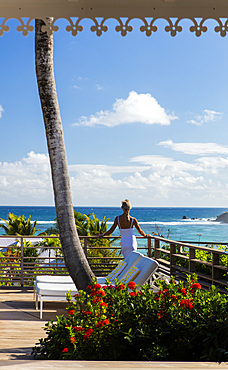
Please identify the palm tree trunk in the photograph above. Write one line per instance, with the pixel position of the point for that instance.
(75, 260)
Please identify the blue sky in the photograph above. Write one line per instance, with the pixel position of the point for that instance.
(144, 118)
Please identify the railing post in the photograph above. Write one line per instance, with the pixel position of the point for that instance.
(172, 259)
(22, 261)
(85, 246)
(149, 246)
(157, 253)
(191, 263)
(215, 272)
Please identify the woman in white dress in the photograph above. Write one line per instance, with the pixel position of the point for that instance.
(126, 225)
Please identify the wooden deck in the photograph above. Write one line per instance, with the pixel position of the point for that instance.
(20, 326)
(20, 329)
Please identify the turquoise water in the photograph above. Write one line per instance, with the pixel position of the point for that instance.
(199, 225)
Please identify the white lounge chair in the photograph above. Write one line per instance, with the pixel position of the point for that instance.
(141, 272)
(49, 279)
(147, 266)
(139, 269)
(122, 268)
(51, 292)
(58, 279)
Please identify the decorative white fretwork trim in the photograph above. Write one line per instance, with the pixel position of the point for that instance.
(123, 26)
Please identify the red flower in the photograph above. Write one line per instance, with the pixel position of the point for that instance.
(87, 334)
(110, 286)
(78, 328)
(77, 295)
(120, 287)
(71, 312)
(97, 286)
(103, 304)
(73, 339)
(131, 285)
(101, 292)
(187, 303)
(195, 286)
(89, 287)
(183, 291)
(132, 294)
(65, 350)
(99, 299)
(87, 312)
(101, 323)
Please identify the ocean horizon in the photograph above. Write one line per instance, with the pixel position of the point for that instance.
(178, 223)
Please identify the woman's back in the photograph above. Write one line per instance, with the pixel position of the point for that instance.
(125, 222)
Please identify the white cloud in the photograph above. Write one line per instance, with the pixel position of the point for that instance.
(148, 180)
(206, 116)
(1, 110)
(164, 163)
(26, 181)
(105, 168)
(99, 87)
(195, 148)
(161, 180)
(213, 165)
(80, 78)
(141, 108)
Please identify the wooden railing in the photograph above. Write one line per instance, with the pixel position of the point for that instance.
(19, 268)
(181, 258)
(175, 258)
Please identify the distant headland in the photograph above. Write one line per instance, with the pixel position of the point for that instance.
(222, 218)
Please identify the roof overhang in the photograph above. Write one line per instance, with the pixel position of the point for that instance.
(117, 9)
(114, 8)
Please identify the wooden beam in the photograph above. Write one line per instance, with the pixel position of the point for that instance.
(114, 8)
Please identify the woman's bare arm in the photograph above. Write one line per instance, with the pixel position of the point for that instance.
(112, 228)
(138, 228)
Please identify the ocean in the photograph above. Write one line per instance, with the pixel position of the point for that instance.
(199, 224)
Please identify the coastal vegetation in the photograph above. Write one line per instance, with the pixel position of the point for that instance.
(90, 225)
(176, 323)
(10, 258)
(97, 250)
(18, 225)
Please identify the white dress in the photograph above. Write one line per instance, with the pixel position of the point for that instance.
(128, 239)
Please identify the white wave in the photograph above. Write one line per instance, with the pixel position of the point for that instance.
(45, 222)
(182, 222)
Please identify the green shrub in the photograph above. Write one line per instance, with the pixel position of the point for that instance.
(18, 225)
(121, 323)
